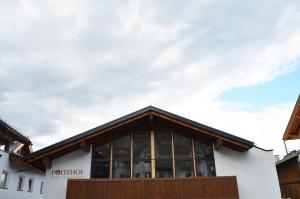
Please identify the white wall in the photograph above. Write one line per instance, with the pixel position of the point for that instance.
(255, 170)
(13, 177)
(56, 185)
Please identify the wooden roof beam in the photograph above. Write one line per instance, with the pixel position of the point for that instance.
(218, 144)
(47, 162)
(85, 146)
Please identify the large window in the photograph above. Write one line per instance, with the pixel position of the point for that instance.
(163, 155)
(155, 154)
(183, 156)
(204, 158)
(121, 157)
(141, 155)
(101, 161)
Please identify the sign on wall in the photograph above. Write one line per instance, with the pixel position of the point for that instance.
(67, 173)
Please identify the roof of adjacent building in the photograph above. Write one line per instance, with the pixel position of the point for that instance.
(291, 155)
(292, 130)
(10, 131)
(131, 117)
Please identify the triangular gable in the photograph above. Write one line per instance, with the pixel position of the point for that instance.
(74, 142)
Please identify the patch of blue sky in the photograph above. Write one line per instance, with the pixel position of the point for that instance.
(280, 90)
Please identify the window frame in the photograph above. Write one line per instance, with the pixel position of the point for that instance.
(42, 187)
(5, 173)
(131, 159)
(20, 186)
(30, 185)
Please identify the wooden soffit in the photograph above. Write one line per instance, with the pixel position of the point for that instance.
(292, 130)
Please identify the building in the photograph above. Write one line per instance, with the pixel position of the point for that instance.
(288, 168)
(17, 178)
(152, 153)
(289, 175)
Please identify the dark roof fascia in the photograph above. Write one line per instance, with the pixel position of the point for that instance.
(15, 133)
(288, 157)
(135, 114)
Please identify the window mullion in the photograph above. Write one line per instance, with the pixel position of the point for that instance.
(173, 154)
(131, 155)
(111, 159)
(152, 140)
(194, 158)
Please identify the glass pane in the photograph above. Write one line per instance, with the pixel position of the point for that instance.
(205, 167)
(163, 145)
(142, 169)
(182, 146)
(141, 146)
(102, 151)
(100, 169)
(3, 179)
(184, 168)
(164, 168)
(121, 147)
(121, 169)
(203, 150)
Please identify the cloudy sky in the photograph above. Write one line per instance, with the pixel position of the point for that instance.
(67, 66)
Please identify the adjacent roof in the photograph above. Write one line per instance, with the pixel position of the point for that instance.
(131, 117)
(292, 130)
(10, 131)
(288, 157)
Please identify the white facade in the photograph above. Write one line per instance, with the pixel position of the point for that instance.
(56, 185)
(255, 171)
(10, 191)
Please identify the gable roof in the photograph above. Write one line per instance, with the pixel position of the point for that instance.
(292, 130)
(131, 117)
(10, 131)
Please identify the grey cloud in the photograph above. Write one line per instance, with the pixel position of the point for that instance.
(58, 60)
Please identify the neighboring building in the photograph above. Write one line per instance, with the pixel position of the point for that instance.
(289, 175)
(158, 155)
(289, 167)
(17, 178)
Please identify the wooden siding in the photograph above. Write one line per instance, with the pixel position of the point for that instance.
(291, 190)
(179, 188)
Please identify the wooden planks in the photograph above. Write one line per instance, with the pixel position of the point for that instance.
(179, 188)
(291, 190)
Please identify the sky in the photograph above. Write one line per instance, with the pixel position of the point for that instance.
(68, 66)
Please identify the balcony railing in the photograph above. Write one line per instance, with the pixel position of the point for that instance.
(171, 188)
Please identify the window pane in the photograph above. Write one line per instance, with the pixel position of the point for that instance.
(163, 145)
(203, 150)
(141, 146)
(100, 169)
(101, 161)
(164, 168)
(20, 184)
(3, 179)
(121, 169)
(205, 167)
(184, 168)
(121, 147)
(102, 151)
(142, 169)
(30, 185)
(182, 146)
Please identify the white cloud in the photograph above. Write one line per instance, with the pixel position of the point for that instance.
(68, 66)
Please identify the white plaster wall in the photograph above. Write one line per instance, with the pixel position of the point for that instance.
(13, 178)
(56, 186)
(255, 171)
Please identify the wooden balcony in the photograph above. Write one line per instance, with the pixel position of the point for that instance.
(178, 188)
